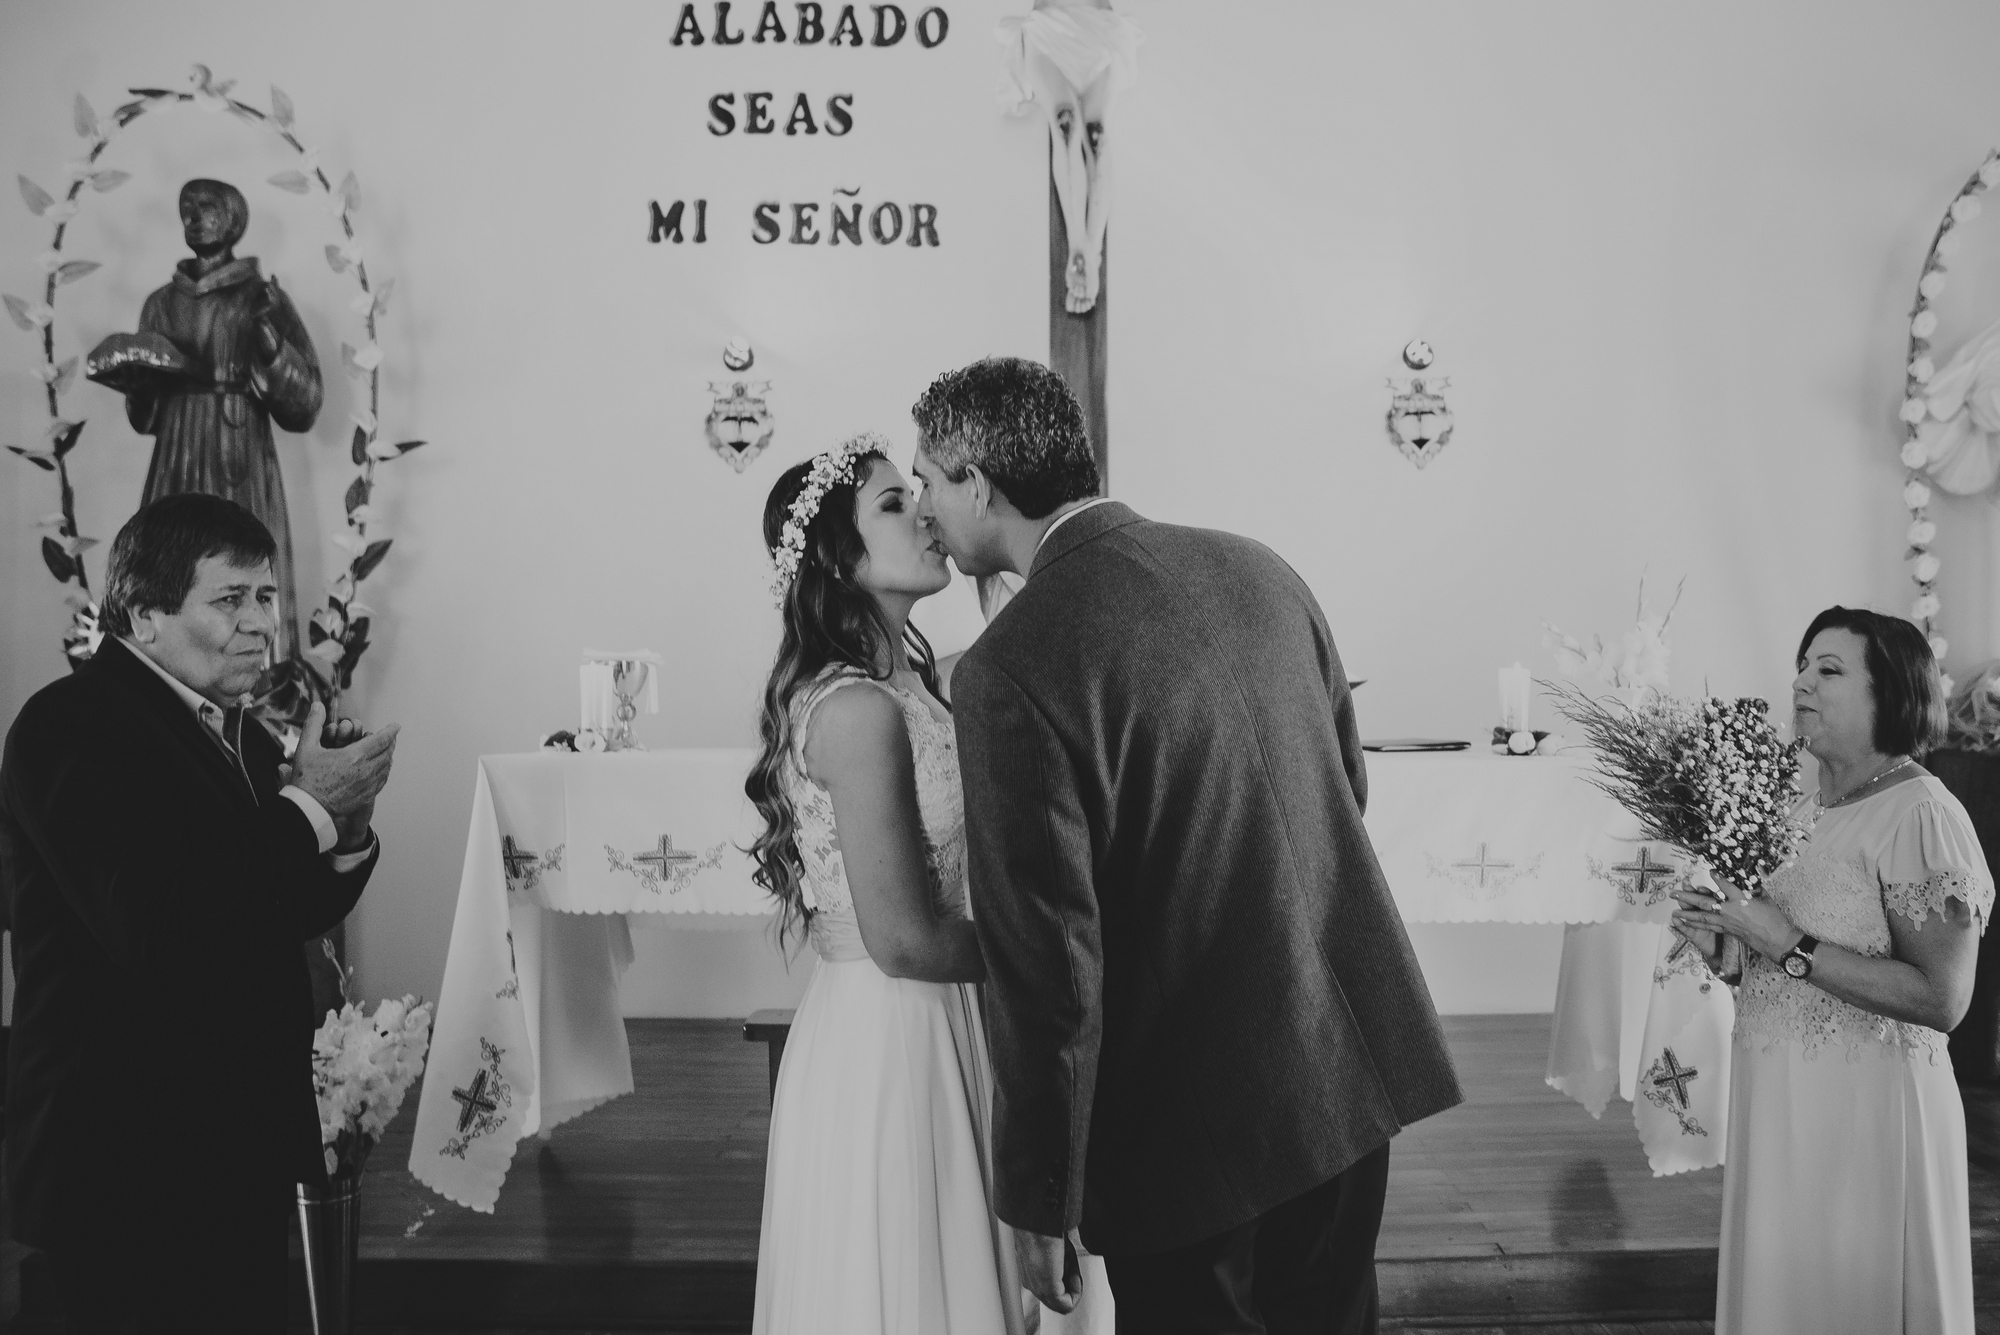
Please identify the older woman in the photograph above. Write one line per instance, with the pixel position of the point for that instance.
(1844, 1202)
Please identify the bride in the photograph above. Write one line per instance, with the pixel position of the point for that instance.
(877, 1187)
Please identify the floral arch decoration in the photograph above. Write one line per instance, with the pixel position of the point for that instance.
(337, 630)
(1943, 409)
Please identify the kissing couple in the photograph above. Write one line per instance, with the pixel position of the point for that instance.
(1126, 860)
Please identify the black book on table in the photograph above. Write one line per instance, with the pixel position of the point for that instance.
(1414, 744)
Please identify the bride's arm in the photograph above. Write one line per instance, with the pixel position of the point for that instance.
(858, 749)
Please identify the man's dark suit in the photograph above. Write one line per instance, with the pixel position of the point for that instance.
(160, 1087)
(1200, 996)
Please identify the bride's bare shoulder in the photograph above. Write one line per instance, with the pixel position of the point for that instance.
(856, 730)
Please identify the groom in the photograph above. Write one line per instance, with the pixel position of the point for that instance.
(1205, 1017)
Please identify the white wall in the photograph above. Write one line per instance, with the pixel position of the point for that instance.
(1664, 256)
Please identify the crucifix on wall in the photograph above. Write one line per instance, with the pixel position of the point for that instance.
(1069, 58)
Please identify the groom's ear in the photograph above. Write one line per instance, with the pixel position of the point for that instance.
(982, 490)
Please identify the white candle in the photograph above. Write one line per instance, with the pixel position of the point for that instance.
(586, 695)
(1515, 688)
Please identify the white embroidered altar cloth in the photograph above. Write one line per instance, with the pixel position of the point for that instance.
(562, 847)
(1478, 837)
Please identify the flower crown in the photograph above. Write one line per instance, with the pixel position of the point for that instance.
(833, 468)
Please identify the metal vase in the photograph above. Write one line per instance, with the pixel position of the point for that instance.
(330, 1228)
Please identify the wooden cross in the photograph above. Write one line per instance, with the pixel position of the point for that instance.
(473, 1101)
(519, 860)
(1080, 345)
(1644, 867)
(1483, 864)
(665, 857)
(1676, 1078)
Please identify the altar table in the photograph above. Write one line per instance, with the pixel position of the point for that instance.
(563, 848)
(1478, 837)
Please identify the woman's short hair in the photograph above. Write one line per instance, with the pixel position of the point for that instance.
(1903, 677)
(1020, 423)
(154, 556)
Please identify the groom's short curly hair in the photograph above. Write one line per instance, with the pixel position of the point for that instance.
(1016, 420)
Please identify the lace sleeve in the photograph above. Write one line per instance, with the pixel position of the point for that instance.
(1934, 856)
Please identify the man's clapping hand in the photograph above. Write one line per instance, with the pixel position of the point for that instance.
(343, 768)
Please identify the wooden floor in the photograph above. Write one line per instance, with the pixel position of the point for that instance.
(1514, 1210)
(675, 1172)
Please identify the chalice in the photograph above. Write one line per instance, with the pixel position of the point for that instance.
(628, 679)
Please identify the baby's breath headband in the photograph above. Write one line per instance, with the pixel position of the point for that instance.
(831, 469)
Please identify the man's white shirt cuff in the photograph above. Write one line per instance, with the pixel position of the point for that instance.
(347, 862)
(321, 822)
(324, 832)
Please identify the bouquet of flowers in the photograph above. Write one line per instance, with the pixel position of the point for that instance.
(362, 1066)
(1712, 777)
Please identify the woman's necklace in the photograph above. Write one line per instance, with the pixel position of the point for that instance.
(1858, 789)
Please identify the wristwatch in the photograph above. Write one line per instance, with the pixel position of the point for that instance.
(1798, 960)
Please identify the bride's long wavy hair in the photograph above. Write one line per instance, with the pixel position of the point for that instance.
(829, 620)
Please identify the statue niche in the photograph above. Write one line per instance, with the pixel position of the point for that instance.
(220, 355)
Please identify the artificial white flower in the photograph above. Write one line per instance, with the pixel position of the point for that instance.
(1916, 495)
(1520, 743)
(49, 260)
(1913, 411)
(1938, 646)
(1922, 369)
(1924, 608)
(1964, 209)
(1933, 283)
(1925, 569)
(1947, 684)
(1925, 324)
(1914, 453)
(1948, 244)
(1989, 171)
(1922, 533)
(589, 740)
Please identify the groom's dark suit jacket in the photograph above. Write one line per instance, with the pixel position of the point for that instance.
(160, 1068)
(1200, 997)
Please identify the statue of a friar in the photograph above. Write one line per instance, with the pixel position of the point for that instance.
(220, 355)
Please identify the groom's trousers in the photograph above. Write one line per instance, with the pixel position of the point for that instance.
(1307, 1265)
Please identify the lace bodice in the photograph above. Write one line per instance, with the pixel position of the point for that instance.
(1905, 851)
(834, 930)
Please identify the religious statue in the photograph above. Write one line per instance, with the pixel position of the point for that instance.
(1960, 429)
(220, 355)
(1068, 57)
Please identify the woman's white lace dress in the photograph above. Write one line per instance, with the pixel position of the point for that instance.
(1844, 1205)
(877, 1189)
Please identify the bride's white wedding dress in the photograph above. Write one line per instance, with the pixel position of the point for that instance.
(878, 1184)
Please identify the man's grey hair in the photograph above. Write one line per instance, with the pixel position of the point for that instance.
(1018, 421)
